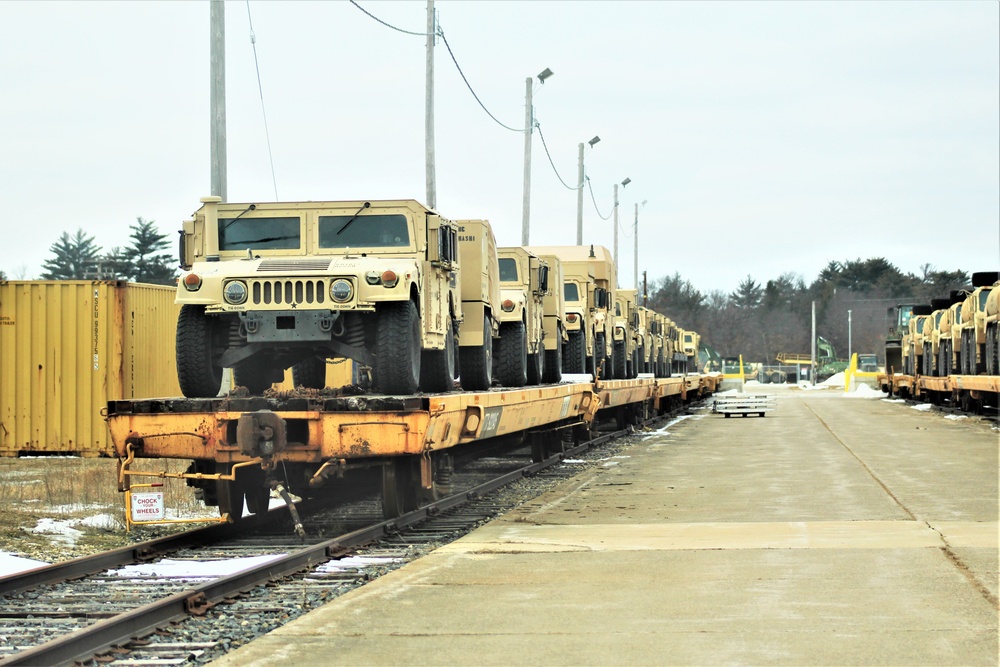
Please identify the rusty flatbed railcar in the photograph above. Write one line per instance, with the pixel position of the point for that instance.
(317, 435)
(969, 391)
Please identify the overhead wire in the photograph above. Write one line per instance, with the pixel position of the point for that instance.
(594, 199)
(553, 164)
(389, 25)
(263, 110)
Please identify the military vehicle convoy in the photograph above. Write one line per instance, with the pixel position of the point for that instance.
(417, 300)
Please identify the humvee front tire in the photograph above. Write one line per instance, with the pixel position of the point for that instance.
(619, 363)
(437, 367)
(397, 367)
(553, 362)
(198, 372)
(512, 369)
(536, 366)
(575, 359)
(309, 373)
(476, 362)
(600, 347)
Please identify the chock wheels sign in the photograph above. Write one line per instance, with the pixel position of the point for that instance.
(148, 507)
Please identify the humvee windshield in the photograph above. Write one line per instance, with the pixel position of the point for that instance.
(366, 231)
(508, 270)
(259, 233)
(570, 292)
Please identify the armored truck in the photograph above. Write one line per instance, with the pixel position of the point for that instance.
(275, 285)
(553, 310)
(480, 303)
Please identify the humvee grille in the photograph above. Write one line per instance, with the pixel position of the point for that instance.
(287, 291)
(308, 264)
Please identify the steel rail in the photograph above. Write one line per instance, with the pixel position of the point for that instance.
(95, 639)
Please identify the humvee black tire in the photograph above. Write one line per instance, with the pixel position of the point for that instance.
(575, 354)
(600, 347)
(512, 355)
(437, 367)
(476, 362)
(620, 363)
(397, 364)
(198, 372)
(309, 373)
(552, 373)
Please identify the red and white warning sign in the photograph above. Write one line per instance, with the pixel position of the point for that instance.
(147, 506)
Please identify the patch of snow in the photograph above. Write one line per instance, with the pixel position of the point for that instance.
(169, 568)
(835, 380)
(956, 417)
(61, 531)
(923, 407)
(574, 461)
(809, 387)
(894, 400)
(354, 563)
(865, 391)
(608, 464)
(11, 564)
(752, 383)
(574, 378)
(104, 521)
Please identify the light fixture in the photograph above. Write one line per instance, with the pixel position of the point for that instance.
(626, 181)
(546, 73)
(594, 141)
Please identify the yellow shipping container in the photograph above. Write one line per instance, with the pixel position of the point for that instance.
(67, 348)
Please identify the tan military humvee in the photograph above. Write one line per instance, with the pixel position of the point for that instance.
(480, 303)
(690, 342)
(272, 285)
(646, 345)
(553, 309)
(626, 324)
(992, 322)
(523, 285)
(588, 318)
(972, 350)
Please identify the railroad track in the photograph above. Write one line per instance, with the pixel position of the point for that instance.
(94, 612)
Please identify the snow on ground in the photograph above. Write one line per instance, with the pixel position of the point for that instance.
(923, 407)
(61, 531)
(11, 564)
(835, 380)
(894, 400)
(864, 391)
(354, 563)
(956, 418)
(663, 429)
(170, 568)
(576, 377)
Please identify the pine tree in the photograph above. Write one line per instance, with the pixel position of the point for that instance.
(75, 258)
(149, 264)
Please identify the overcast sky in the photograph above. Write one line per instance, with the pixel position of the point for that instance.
(765, 137)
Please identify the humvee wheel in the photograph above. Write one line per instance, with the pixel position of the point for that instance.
(309, 373)
(536, 365)
(512, 357)
(198, 372)
(553, 362)
(397, 367)
(437, 367)
(575, 356)
(619, 362)
(600, 348)
(477, 362)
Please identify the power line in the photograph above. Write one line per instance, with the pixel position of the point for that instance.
(389, 25)
(549, 155)
(263, 111)
(593, 199)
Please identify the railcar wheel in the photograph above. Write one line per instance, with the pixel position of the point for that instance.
(437, 367)
(512, 357)
(249, 484)
(397, 365)
(553, 362)
(310, 373)
(477, 362)
(400, 485)
(198, 371)
(575, 357)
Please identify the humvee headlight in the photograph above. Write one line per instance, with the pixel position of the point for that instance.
(192, 282)
(235, 292)
(507, 305)
(571, 317)
(341, 290)
(372, 277)
(389, 278)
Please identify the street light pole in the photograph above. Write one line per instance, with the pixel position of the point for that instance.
(429, 169)
(615, 224)
(529, 128)
(635, 235)
(579, 192)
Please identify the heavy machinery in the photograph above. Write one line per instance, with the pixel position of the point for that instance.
(827, 363)
(899, 318)
(272, 285)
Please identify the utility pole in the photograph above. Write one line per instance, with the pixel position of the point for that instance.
(615, 223)
(579, 199)
(635, 234)
(812, 373)
(429, 108)
(528, 128)
(217, 86)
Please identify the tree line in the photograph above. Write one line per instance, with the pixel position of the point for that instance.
(77, 256)
(760, 320)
